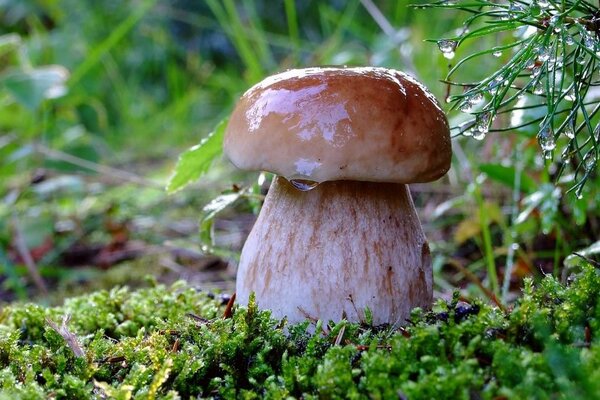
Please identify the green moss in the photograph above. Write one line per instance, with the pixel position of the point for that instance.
(145, 345)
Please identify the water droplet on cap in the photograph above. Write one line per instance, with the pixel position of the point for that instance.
(304, 185)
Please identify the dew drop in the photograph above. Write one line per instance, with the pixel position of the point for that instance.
(555, 22)
(590, 161)
(515, 246)
(304, 185)
(478, 135)
(466, 106)
(538, 88)
(447, 47)
(588, 41)
(566, 156)
(546, 140)
(570, 95)
(543, 54)
(536, 72)
(530, 64)
(516, 8)
(569, 40)
(468, 132)
(482, 123)
(476, 98)
(493, 85)
(543, 3)
(568, 131)
(497, 53)
(580, 60)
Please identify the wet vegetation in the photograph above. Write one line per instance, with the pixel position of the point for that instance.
(173, 342)
(100, 99)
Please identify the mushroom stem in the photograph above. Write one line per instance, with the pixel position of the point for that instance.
(332, 251)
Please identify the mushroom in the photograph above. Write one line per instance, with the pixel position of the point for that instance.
(338, 231)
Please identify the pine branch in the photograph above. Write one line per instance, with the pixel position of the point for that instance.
(552, 63)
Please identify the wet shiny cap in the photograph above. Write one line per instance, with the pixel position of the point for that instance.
(325, 124)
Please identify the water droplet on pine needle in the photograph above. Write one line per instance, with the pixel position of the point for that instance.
(569, 40)
(589, 42)
(543, 54)
(546, 140)
(590, 161)
(477, 135)
(566, 156)
(482, 123)
(569, 131)
(447, 47)
(535, 72)
(570, 95)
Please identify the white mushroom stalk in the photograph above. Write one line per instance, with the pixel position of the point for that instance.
(330, 250)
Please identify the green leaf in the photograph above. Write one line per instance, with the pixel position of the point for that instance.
(546, 200)
(507, 175)
(210, 211)
(196, 161)
(31, 87)
(9, 42)
(575, 259)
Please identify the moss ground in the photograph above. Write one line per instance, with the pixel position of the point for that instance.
(173, 342)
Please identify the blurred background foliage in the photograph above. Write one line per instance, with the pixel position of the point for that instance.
(98, 99)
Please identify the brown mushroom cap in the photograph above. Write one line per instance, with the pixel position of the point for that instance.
(325, 124)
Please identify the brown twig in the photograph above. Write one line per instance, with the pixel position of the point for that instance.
(176, 346)
(474, 279)
(198, 318)
(229, 308)
(99, 168)
(25, 255)
(67, 335)
(340, 336)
